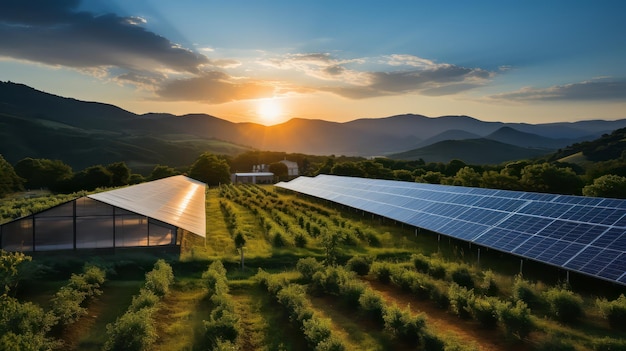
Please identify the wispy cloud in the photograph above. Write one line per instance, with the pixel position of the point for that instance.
(398, 74)
(598, 90)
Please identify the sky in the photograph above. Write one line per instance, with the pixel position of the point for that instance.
(259, 61)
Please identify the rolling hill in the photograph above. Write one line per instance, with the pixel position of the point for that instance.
(472, 151)
(43, 125)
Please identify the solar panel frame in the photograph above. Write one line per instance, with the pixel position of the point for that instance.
(582, 234)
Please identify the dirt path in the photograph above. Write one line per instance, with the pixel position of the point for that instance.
(444, 323)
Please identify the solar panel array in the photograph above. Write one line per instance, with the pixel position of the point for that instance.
(583, 234)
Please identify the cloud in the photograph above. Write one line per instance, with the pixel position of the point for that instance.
(53, 33)
(397, 74)
(596, 90)
(214, 87)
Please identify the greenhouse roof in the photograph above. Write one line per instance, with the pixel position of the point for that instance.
(177, 200)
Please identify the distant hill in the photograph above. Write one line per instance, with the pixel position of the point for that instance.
(515, 137)
(472, 151)
(43, 125)
(607, 147)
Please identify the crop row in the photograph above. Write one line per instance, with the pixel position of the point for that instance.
(136, 330)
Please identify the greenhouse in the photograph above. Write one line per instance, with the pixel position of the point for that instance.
(149, 214)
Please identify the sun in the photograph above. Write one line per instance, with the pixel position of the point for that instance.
(269, 110)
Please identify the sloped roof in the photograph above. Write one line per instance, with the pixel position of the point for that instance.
(177, 200)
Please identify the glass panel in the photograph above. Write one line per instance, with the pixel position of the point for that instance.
(88, 207)
(54, 233)
(18, 235)
(64, 210)
(131, 230)
(161, 233)
(94, 232)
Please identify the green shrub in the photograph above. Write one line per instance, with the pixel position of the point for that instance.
(485, 312)
(382, 271)
(565, 306)
(614, 311)
(423, 286)
(372, 304)
(524, 291)
(292, 297)
(133, 331)
(24, 318)
(359, 264)
(351, 292)
(316, 330)
(332, 343)
(145, 299)
(159, 279)
(401, 325)
(463, 277)
(308, 266)
(489, 286)
(432, 342)
(440, 297)
(223, 324)
(279, 240)
(215, 282)
(460, 300)
(437, 269)
(516, 318)
(404, 278)
(420, 262)
(300, 240)
(66, 305)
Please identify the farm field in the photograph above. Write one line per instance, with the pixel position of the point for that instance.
(317, 276)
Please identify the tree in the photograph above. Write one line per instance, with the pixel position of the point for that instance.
(547, 178)
(9, 180)
(120, 173)
(351, 169)
(240, 242)
(403, 175)
(43, 173)
(210, 169)
(467, 176)
(279, 169)
(160, 171)
(93, 177)
(499, 180)
(607, 186)
(430, 177)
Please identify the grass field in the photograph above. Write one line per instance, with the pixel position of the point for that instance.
(280, 229)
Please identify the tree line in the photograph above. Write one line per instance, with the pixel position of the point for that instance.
(605, 179)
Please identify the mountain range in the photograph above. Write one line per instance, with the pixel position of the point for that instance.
(42, 125)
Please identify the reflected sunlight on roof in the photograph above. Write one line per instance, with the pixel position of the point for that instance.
(177, 200)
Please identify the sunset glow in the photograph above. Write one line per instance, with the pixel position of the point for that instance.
(269, 110)
(517, 62)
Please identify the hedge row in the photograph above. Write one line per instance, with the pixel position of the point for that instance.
(223, 327)
(354, 294)
(68, 302)
(135, 330)
(23, 326)
(317, 331)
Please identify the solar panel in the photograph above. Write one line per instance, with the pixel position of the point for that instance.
(582, 234)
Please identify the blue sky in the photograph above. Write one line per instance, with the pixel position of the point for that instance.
(268, 61)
